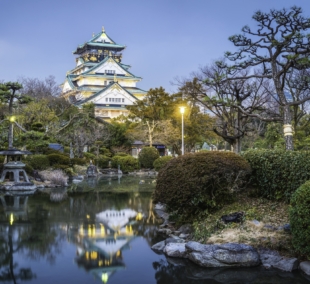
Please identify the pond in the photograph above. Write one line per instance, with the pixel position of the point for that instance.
(101, 233)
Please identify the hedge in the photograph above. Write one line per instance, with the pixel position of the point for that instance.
(200, 182)
(300, 221)
(58, 159)
(277, 173)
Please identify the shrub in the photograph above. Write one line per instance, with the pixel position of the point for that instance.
(115, 161)
(58, 159)
(29, 169)
(89, 156)
(147, 156)
(38, 162)
(200, 182)
(128, 164)
(102, 161)
(104, 151)
(78, 161)
(121, 154)
(161, 162)
(276, 173)
(299, 219)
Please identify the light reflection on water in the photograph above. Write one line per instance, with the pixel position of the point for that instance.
(102, 233)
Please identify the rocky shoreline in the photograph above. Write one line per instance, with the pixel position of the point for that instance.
(178, 244)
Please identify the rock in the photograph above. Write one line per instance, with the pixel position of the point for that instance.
(235, 217)
(160, 206)
(174, 240)
(305, 267)
(270, 228)
(186, 229)
(159, 246)
(175, 250)
(165, 231)
(183, 236)
(287, 227)
(255, 222)
(226, 255)
(272, 259)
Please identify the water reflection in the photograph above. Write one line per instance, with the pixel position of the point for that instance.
(108, 234)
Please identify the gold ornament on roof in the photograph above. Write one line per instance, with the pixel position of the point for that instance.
(103, 30)
(93, 34)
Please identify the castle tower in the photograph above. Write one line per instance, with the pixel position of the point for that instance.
(101, 78)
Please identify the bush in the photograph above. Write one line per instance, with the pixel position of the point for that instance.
(102, 162)
(115, 161)
(29, 169)
(58, 159)
(121, 154)
(200, 182)
(104, 151)
(128, 164)
(147, 156)
(38, 162)
(89, 156)
(278, 173)
(300, 221)
(161, 162)
(78, 161)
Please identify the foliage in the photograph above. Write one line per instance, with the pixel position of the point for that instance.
(126, 163)
(161, 162)
(299, 219)
(34, 140)
(121, 154)
(102, 161)
(29, 169)
(58, 159)
(38, 162)
(147, 156)
(200, 183)
(277, 173)
(89, 156)
(78, 161)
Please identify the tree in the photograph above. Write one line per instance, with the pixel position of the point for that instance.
(10, 95)
(149, 112)
(279, 46)
(233, 101)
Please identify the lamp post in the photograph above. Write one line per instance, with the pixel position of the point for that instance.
(182, 109)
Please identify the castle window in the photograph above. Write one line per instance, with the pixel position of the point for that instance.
(110, 71)
(105, 83)
(123, 100)
(106, 99)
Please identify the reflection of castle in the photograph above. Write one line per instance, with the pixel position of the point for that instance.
(100, 245)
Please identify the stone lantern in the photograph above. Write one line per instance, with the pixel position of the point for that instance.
(14, 176)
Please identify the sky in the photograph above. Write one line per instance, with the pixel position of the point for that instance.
(165, 39)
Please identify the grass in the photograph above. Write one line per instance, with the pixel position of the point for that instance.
(267, 212)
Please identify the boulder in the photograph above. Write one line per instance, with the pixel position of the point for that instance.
(174, 239)
(272, 259)
(305, 267)
(235, 217)
(186, 229)
(159, 246)
(226, 255)
(175, 250)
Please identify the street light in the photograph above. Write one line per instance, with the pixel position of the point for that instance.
(182, 109)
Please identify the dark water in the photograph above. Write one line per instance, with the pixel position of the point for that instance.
(102, 233)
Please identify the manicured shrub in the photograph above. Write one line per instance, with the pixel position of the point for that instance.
(29, 170)
(89, 156)
(161, 162)
(58, 159)
(78, 161)
(147, 156)
(115, 161)
(38, 162)
(299, 219)
(122, 154)
(200, 182)
(128, 164)
(102, 162)
(277, 174)
(104, 151)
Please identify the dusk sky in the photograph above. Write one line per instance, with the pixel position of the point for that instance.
(164, 38)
